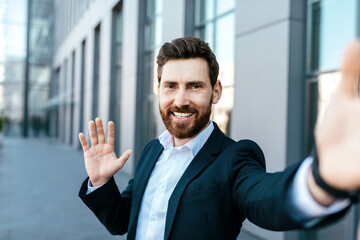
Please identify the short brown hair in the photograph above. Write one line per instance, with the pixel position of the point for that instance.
(188, 47)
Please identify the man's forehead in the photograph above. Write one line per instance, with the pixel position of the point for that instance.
(192, 69)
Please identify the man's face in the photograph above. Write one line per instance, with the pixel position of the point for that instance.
(186, 96)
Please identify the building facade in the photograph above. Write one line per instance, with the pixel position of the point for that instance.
(12, 62)
(25, 65)
(274, 56)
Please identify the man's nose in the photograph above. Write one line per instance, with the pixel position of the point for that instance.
(181, 98)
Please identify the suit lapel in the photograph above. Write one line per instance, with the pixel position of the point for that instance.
(206, 155)
(144, 171)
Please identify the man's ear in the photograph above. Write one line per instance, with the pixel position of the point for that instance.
(217, 91)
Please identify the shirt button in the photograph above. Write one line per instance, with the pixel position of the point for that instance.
(162, 185)
(153, 218)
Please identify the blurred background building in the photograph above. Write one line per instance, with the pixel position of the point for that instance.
(65, 62)
(25, 65)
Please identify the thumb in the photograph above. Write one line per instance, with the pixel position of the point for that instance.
(124, 157)
(350, 69)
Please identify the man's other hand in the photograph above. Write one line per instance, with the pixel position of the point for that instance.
(338, 135)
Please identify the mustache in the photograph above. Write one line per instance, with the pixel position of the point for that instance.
(184, 109)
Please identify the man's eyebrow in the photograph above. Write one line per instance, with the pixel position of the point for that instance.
(195, 82)
(169, 82)
(190, 83)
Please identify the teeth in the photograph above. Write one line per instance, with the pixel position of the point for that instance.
(182, 115)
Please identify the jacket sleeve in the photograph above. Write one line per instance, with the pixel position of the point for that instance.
(109, 206)
(263, 197)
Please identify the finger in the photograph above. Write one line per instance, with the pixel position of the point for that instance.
(100, 130)
(83, 142)
(111, 133)
(350, 69)
(124, 157)
(93, 137)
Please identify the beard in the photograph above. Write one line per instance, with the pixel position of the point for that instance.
(188, 129)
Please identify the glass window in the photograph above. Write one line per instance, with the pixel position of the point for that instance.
(40, 54)
(72, 101)
(204, 11)
(152, 44)
(215, 24)
(331, 25)
(150, 8)
(96, 77)
(54, 108)
(206, 32)
(65, 88)
(13, 22)
(224, 6)
(116, 69)
(82, 83)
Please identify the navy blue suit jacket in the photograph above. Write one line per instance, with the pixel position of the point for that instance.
(224, 184)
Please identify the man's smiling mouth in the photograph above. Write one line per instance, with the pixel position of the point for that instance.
(182, 115)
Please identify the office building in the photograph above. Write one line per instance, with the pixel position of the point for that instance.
(275, 56)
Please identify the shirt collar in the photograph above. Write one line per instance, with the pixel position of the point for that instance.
(194, 144)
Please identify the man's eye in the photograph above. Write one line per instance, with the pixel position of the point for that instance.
(169, 86)
(196, 86)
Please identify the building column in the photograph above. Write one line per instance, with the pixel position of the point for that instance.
(269, 83)
(129, 79)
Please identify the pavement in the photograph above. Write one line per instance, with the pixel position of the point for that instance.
(39, 184)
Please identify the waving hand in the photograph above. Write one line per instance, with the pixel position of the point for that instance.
(101, 162)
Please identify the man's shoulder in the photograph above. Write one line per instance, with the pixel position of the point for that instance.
(226, 142)
(248, 144)
(246, 148)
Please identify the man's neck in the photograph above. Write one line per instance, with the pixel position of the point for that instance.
(182, 141)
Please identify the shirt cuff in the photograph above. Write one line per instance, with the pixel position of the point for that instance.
(90, 188)
(307, 210)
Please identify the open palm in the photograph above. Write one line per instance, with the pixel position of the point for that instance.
(338, 135)
(101, 162)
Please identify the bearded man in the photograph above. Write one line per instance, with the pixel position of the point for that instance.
(193, 182)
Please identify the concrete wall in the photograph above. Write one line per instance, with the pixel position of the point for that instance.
(100, 12)
(129, 79)
(264, 51)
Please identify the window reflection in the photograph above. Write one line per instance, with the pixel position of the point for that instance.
(333, 26)
(116, 71)
(204, 11)
(96, 72)
(215, 23)
(13, 24)
(225, 6)
(152, 43)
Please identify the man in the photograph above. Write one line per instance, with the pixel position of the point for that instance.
(193, 182)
